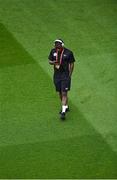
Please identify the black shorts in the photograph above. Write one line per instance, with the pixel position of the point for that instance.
(62, 85)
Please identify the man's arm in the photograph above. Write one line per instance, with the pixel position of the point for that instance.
(71, 63)
(71, 68)
(50, 58)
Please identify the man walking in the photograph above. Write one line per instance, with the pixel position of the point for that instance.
(63, 61)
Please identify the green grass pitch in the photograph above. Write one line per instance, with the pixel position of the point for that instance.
(34, 143)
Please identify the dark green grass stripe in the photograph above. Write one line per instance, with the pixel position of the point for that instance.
(11, 52)
(80, 157)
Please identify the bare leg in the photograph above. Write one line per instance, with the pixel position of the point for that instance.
(64, 98)
(60, 95)
(64, 102)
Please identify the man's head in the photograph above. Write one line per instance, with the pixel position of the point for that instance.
(59, 44)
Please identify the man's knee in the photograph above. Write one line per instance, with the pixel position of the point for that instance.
(64, 93)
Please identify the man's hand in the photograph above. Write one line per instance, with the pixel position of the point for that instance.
(52, 62)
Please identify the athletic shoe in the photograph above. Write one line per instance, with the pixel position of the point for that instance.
(62, 116)
(60, 111)
(67, 110)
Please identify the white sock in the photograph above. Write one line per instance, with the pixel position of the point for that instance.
(66, 106)
(63, 109)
